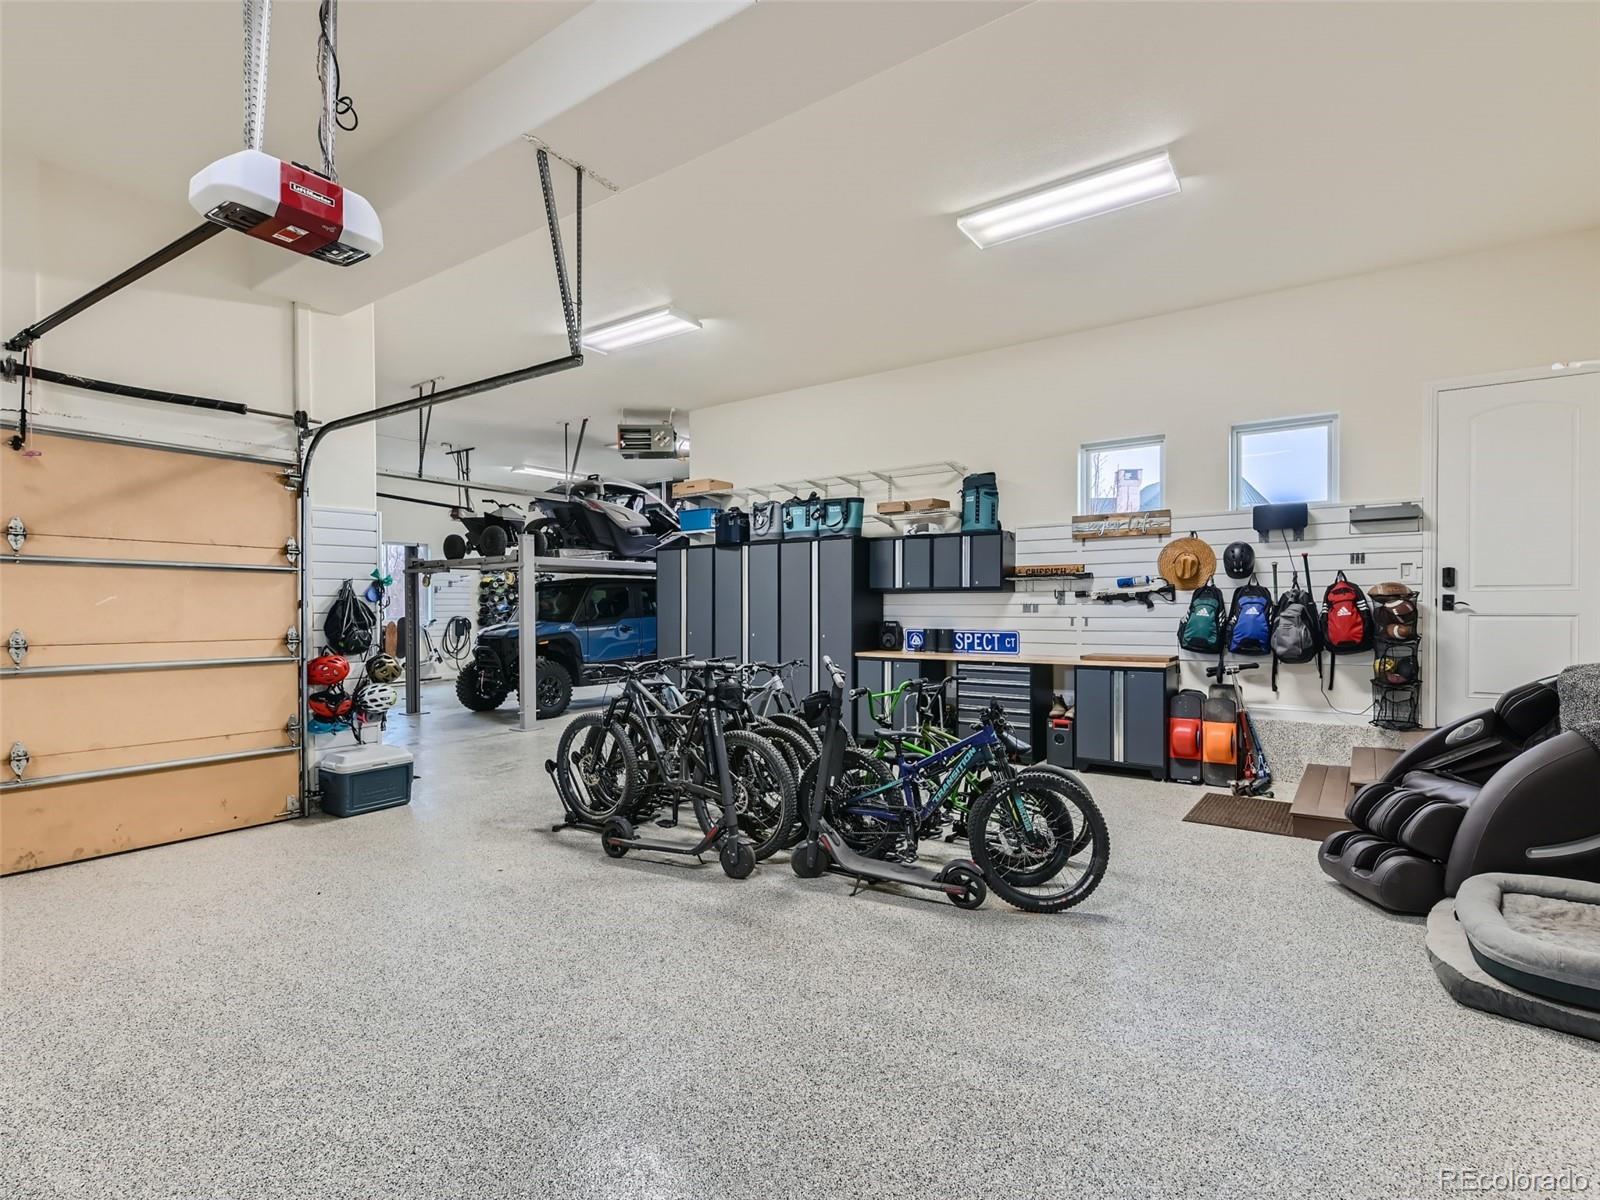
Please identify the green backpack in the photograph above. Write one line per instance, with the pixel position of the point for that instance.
(1203, 626)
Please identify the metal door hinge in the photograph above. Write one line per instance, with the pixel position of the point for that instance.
(17, 643)
(291, 806)
(291, 480)
(19, 759)
(291, 550)
(16, 534)
(291, 639)
(292, 728)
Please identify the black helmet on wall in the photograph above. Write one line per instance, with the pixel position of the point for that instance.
(1239, 560)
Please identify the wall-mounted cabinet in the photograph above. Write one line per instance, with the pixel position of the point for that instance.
(942, 562)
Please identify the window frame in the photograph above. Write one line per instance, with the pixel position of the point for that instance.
(1158, 440)
(1275, 425)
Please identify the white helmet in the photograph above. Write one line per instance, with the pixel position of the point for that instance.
(375, 699)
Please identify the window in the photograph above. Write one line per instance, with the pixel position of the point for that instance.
(1280, 462)
(559, 602)
(394, 566)
(607, 602)
(1122, 476)
(644, 600)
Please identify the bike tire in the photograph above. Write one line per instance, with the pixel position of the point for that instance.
(797, 725)
(763, 792)
(861, 772)
(998, 842)
(597, 769)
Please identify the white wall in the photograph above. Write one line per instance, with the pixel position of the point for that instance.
(187, 327)
(1364, 347)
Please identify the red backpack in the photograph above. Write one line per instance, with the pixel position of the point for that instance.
(1346, 620)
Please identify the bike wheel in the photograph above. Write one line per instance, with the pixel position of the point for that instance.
(1072, 779)
(1024, 833)
(861, 773)
(797, 725)
(596, 769)
(763, 792)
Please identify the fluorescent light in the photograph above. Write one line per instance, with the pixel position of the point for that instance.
(645, 327)
(1071, 200)
(526, 469)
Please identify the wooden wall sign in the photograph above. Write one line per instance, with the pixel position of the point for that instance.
(1155, 523)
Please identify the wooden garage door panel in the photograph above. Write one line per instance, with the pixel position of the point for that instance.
(41, 827)
(74, 615)
(74, 723)
(97, 499)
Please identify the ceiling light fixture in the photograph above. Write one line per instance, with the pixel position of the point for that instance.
(527, 469)
(636, 330)
(1070, 200)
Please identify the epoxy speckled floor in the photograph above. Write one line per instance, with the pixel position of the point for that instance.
(447, 1000)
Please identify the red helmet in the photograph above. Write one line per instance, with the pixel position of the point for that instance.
(327, 670)
(331, 704)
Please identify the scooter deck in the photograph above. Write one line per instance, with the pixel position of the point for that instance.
(875, 870)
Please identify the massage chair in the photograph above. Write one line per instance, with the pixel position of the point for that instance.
(1514, 788)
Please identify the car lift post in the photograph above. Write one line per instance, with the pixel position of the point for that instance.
(527, 631)
(413, 647)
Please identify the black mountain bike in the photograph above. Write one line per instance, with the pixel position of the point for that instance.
(656, 746)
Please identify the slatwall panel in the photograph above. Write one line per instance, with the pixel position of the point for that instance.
(455, 594)
(1079, 627)
(346, 543)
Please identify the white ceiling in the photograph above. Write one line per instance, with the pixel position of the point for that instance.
(790, 174)
(1314, 141)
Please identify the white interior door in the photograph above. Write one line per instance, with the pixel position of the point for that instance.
(1519, 526)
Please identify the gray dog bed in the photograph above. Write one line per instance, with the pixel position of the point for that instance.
(1524, 946)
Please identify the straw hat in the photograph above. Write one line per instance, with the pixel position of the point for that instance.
(1186, 563)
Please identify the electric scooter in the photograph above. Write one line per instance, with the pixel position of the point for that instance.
(736, 854)
(823, 850)
(1251, 774)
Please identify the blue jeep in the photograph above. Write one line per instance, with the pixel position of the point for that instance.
(583, 623)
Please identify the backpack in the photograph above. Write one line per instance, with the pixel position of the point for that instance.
(1296, 629)
(350, 622)
(1346, 620)
(1203, 627)
(1249, 620)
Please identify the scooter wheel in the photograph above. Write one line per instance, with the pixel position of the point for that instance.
(974, 891)
(808, 860)
(615, 829)
(738, 858)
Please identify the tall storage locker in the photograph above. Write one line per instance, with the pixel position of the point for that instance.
(761, 634)
(727, 635)
(848, 613)
(794, 610)
(669, 603)
(699, 601)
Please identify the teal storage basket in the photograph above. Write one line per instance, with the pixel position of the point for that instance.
(840, 516)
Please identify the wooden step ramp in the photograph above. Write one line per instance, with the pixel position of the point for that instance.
(1319, 802)
(1368, 764)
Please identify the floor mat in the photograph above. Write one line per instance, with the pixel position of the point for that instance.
(1254, 813)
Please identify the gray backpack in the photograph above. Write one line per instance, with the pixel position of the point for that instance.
(1296, 628)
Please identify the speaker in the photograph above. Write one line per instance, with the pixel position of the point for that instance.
(891, 636)
(942, 641)
(1058, 746)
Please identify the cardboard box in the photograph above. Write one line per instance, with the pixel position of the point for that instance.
(929, 504)
(889, 508)
(699, 487)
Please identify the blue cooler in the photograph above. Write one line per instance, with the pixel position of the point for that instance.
(364, 779)
(800, 517)
(840, 516)
(698, 520)
(980, 504)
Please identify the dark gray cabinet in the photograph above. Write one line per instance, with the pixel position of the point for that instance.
(794, 609)
(699, 601)
(762, 621)
(669, 603)
(727, 625)
(943, 562)
(1121, 717)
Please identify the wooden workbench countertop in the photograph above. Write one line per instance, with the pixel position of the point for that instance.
(1040, 660)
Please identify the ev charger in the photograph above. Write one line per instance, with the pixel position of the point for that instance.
(287, 205)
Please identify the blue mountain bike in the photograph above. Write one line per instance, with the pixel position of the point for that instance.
(1039, 839)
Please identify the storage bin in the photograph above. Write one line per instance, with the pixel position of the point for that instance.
(980, 503)
(364, 779)
(733, 527)
(697, 520)
(840, 516)
(766, 521)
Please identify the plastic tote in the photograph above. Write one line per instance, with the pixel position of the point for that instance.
(840, 516)
(697, 520)
(980, 503)
(800, 517)
(364, 779)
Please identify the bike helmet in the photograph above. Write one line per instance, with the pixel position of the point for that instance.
(375, 699)
(1239, 560)
(318, 725)
(327, 670)
(384, 668)
(331, 704)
